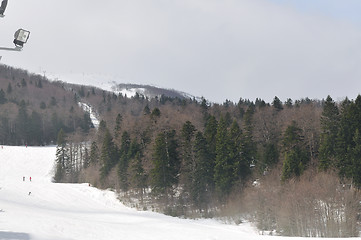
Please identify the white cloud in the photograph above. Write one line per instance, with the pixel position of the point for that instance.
(218, 49)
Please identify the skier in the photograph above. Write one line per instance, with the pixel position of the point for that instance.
(30, 179)
(23, 179)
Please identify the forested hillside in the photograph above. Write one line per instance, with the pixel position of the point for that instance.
(292, 166)
(33, 110)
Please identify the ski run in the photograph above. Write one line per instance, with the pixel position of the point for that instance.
(40, 209)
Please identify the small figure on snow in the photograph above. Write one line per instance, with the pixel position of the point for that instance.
(29, 193)
(30, 179)
(23, 179)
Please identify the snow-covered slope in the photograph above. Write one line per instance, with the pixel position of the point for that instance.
(78, 211)
(114, 84)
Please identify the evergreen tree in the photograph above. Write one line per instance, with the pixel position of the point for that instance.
(5, 136)
(356, 159)
(187, 168)
(155, 114)
(62, 157)
(94, 153)
(139, 176)
(202, 177)
(329, 127)
(270, 155)
(239, 155)
(22, 122)
(81, 92)
(248, 146)
(2, 97)
(344, 140)
(223, 170)
(42, 105)
(86, 158)
(118, 126)
(87, 122)
(289, 103)
(166, 162)
(23, 83)
(109, 156)
(277, 104)
(228, 119)
(146, 110)
(53, 101)
(296, 156)
(102, 129)
(125, 156)
(210, 133)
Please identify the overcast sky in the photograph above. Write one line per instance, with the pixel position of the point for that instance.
(219, 49)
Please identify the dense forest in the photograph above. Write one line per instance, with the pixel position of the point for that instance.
(292, 167)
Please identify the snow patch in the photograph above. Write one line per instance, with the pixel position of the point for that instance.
(93, 115)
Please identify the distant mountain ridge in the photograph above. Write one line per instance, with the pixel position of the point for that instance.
(149, 91)
(112, 83)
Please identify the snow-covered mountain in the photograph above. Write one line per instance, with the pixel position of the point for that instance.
(149, 91)
(117, 85)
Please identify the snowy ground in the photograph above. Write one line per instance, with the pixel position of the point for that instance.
(77, 211)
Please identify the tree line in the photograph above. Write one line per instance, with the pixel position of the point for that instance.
(189, 170)
(190, 158)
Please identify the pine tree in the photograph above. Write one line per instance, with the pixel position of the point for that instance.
(118, 126)
(125, 156)
(344, 140)
(296, 156)
(109, 156)
(23, 82)
(94, 153)
(210, 133)
(277, 104)
(202, 177)
(187, 167)
(87, 122)
(86, 158)
(271, 155)
(166, 162)
(330, 128)
(62, 157)
(2, 97)
(146, 110)
(238, 154)
(356, 159)
(248, 146)
(81, 92)
(23, 123)
(139, 176)
(223, 170)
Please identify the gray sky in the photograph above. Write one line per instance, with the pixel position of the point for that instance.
(219, 49)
